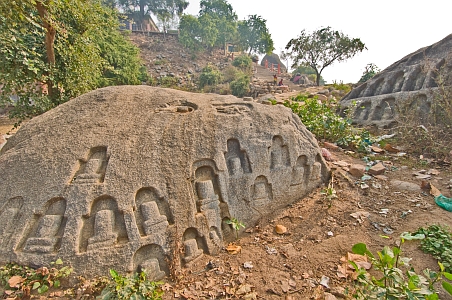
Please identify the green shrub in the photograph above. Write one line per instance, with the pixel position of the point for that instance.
(341, 87)
(210, 75)
(131, 287)
(230, 73)
(320, 118)
(168, 81)
(243, 62)
(370, 71)
(240, 86)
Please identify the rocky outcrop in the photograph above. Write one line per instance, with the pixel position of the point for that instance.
(410, 83)
(273, 59)
(138, 177)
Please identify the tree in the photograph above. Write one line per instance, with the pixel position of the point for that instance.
(169, 12)
(322, 48)
(223, 17)
(254, 35)
(54, 50)
(165, 10)
(370, 71)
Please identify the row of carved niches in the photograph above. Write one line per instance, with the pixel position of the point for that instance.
(412, 78)
(385, 109)
(92, 169)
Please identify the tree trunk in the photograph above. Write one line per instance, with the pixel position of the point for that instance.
(142, 20)
(49, 41)
(317, 80)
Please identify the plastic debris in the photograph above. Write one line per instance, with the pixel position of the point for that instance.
(444, 202)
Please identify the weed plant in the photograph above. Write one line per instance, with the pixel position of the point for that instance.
(136, 286)
(396, 279)
(438, 242)
(19, 281)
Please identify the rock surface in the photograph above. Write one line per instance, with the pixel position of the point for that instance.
(140, 177)
(407, 85)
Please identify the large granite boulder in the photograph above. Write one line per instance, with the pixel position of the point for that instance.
(138, 177)
(273, 59)
(408, 85)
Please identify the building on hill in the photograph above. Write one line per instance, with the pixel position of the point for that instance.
(133, 23)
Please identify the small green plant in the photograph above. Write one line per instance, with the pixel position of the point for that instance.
(329, 192)
(438, 242)
(396, 278)
(22, 280)
(236, 225)
(135, 286)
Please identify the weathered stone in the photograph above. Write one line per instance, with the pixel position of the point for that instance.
(405, 186)
(135, 177)
(357, 170)
(409, 82)
(378, 169)
(321, 97)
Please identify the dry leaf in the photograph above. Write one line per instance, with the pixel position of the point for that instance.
(376, 149)
(391, 149)
(434, 191)
(244, 289)
(233, 249)
(280, 229)
(250, 296)
(15, 281)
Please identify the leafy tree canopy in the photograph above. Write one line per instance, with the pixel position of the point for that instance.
(254, 36)
(166, 11)
(54, 50)
(322, 48)
(223, 17)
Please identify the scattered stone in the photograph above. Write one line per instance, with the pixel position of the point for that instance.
(378, 169)
(280, 229)
(248, 265)
(405, 186)
(382, 177)
(357, 170)
(330, 146)
(329, 296)
(321, 97)
(324, 281)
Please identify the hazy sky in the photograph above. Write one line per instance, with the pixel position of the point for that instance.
(390, 29)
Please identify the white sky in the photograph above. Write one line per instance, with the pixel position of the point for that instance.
(389, 29)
